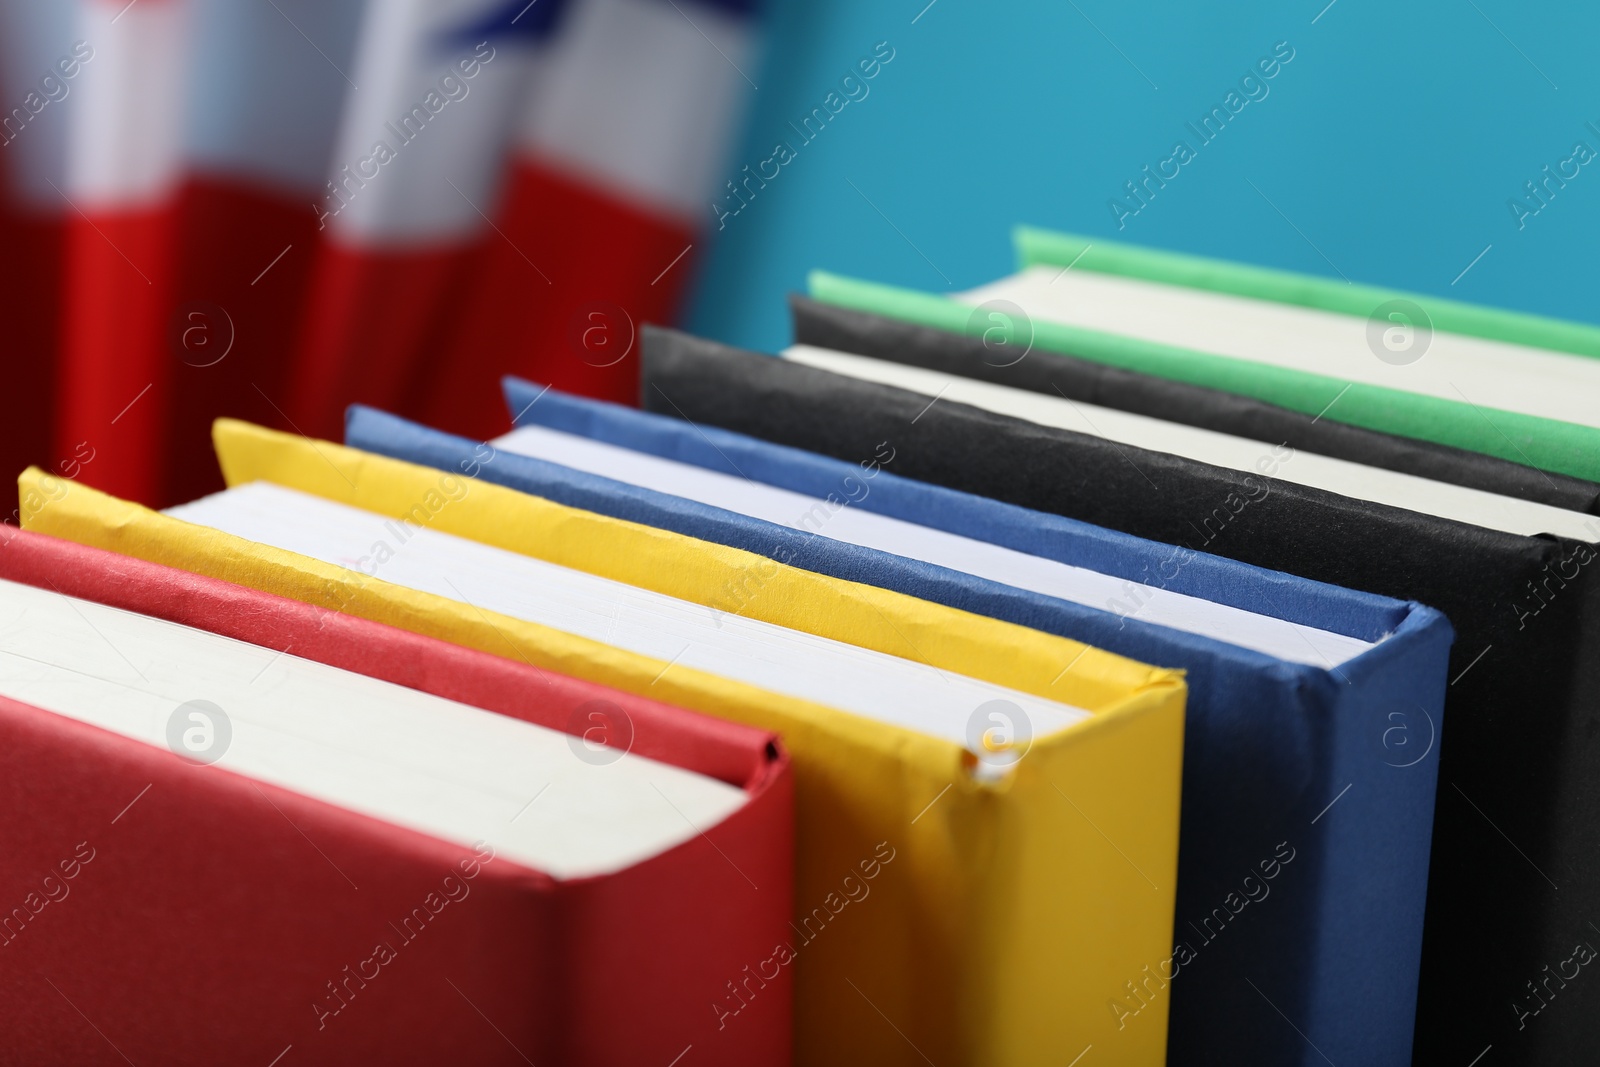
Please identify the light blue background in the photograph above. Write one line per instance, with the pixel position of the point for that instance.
(1391, 143)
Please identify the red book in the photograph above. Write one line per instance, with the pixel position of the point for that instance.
(156, 909)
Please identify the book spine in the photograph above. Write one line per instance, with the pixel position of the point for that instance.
(1375, 828)
(1080, 865)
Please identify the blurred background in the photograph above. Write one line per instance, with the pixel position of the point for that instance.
(272, 208)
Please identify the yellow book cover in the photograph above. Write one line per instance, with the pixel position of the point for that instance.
(940, 914)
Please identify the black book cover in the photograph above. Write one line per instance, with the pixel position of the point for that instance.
(847, 330)
(1514, 880)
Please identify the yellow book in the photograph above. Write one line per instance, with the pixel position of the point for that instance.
(1003, 910)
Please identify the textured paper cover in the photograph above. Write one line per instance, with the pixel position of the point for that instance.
(1562, 447)
(217, 909)
(1267, 743)
(1006, 911)
(1059, 374)
(1521, 757)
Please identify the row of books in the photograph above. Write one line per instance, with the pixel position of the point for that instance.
(1058, 674)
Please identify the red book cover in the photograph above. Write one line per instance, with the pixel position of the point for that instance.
(154, 910)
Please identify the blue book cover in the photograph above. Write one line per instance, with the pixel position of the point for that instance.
(1309, 779)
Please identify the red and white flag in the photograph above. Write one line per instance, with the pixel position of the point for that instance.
(273, 209)
(617, 149)
(36, 38)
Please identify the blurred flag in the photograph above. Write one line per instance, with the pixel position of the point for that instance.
(619, 141)
(273, 208)
(32, 224)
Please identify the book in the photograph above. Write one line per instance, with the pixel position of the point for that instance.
(1330, 698)
(1523, 606)
(1510, 385)
(240, 827)
(1015, 793)
(1392, 488)
(981, 352)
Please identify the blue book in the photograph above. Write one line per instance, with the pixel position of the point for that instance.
(1311, 744)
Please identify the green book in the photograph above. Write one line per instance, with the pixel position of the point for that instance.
(1520, 387)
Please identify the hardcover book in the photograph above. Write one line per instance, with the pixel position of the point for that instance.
(240, 827)
(1326, 673)
(1014, 793)
(1516, 784)
(1263, 664)
(1511, 385)
(995, 348)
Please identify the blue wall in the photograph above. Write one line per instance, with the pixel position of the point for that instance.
(1387, 147)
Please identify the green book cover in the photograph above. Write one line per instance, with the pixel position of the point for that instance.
(1548, 444)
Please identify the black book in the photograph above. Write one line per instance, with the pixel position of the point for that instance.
(1514, 881)
(1005, 360)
